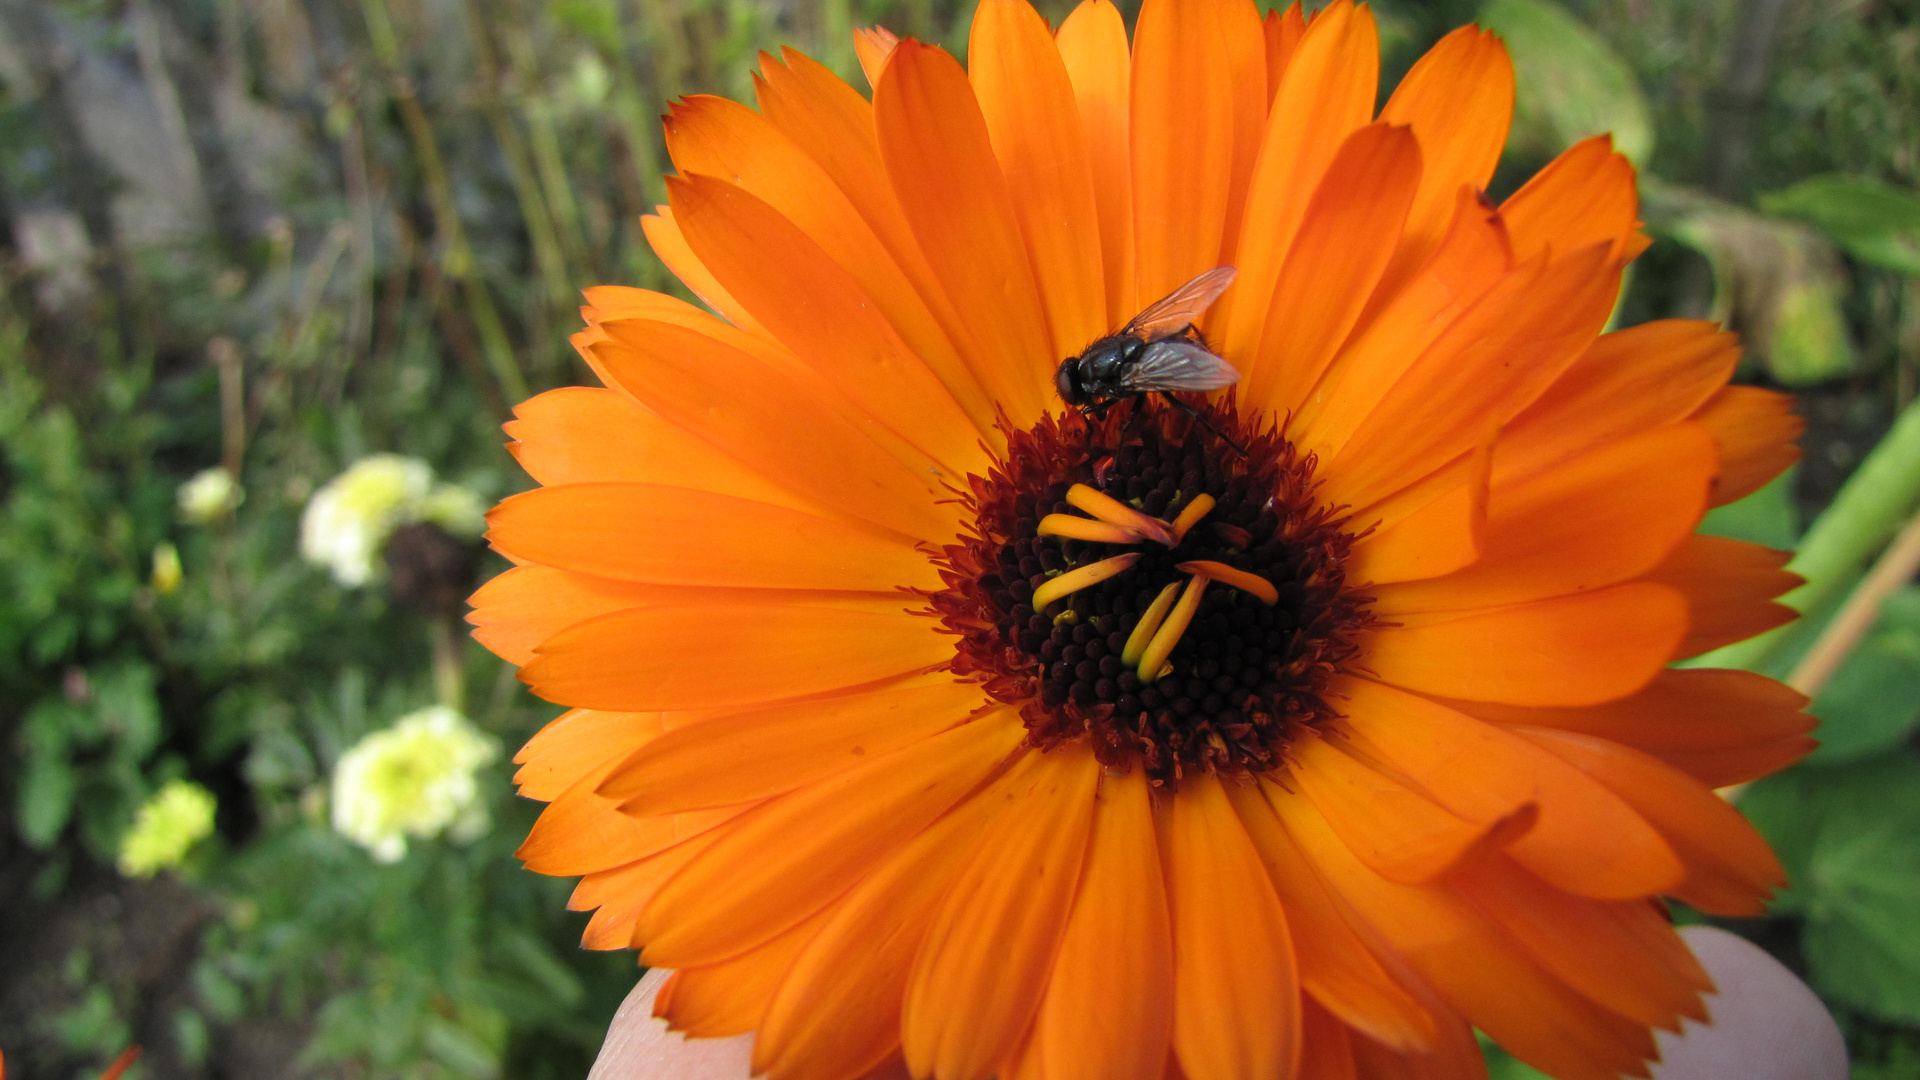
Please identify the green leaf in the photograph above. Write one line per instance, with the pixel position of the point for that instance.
(1875, 223)
(46, 798)
(1862, 941)
(1873, 701)
(1765, 517)
(1571, 84)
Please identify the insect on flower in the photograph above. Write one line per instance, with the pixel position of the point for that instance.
(1158, 351)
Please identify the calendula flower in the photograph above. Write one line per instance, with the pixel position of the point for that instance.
(1294, 729)
(415, 778)
(211, 493)
(349, 519)
(166, 827)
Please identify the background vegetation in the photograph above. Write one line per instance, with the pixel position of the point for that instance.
(279, 235)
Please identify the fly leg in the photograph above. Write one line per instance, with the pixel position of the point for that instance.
(1202, 420)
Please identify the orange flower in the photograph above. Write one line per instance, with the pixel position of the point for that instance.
(860, 749)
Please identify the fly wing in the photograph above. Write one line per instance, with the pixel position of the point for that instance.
(1179, 309)
(1177, 365)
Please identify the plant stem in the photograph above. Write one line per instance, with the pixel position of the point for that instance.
(1896, 567)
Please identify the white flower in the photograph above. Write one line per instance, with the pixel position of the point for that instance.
(415, 778)
(209, 494)
(349, 519)
(167, 825)
(455, 509)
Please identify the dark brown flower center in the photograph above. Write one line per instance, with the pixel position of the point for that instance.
(1221, 684)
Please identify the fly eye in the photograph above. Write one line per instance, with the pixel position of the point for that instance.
(1064, 381)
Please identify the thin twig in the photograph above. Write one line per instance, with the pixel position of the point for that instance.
(1895, 568)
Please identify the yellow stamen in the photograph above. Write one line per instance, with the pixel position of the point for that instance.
(1080, 577)
(1153, 662)
(1239, 579)
(1079, 528)
(1149, 622)
(1190, 515)
(1109, 509)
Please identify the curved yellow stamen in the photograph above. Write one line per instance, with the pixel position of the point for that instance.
(1079, 528)
(1109, 509)
(1190, 515)
(1080, 577)
(1154, 660)
(1150, 621)
(1239, 579)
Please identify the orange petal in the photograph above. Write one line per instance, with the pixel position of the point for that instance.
(696, 656)
(580, 434)
(1471, 259)
(1236, 997)
(1585, 840)
(874, 45)
(722, 138)
(1686, 710)
(1337, 967)
(1458, 99)
(1399, 833)
(1584, 196)
(1283, 31)
(1476, 967)
(526, 605)
(1755, 429)
(1728, 585)
(834, 125)
(978, 980)
(940, 159)
(776, 748)
(837, 1015)
(1595, 521)
(1730, 870)
(1484, 368)
(1093, 48)
(669, 245)
(1108, 1009)
(1434, 527)
(1643, 377)
(1737, 765)
(1028, 104)
(1184, 111)
(766, 261)
(1580, 649)
(1325, 95)
(1326, 1046)
(729, 998)
(578, 742)
(744, 406)
(581, 831)
(1349, 232)
(793, 855)
(1244, 55)
(681, 536)
(1623, 955)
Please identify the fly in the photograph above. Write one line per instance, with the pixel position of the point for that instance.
(1158, 351)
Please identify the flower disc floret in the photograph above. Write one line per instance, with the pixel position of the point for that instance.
(1135, 653)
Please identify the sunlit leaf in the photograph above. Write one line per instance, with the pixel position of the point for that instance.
(1873, 701)
(1875, 223)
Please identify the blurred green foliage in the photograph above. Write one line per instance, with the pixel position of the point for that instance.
(279, 235)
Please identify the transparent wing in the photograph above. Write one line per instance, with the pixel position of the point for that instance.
(1177, 365)
(1176, 312)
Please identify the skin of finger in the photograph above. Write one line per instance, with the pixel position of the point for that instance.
(639, 1046)
(1766, 1024)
